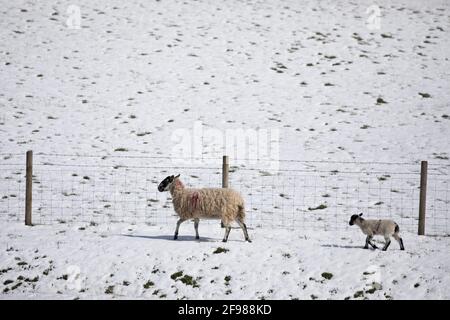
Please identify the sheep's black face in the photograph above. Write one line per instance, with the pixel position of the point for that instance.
(165, 184)
(352, 219)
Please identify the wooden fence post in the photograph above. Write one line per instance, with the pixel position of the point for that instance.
(225, 167)
(29, 188)
(423, 196)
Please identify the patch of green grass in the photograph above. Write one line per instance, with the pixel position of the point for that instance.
(35, 279)
(176, 275)
(189, 281)
(141, 134)
(320, 207)
(375, 286)
(220, 250)
(63, 277)
(109, 290)
(5, 270)
(16, 286)
(148, 284)
(381, 101)
(327, 275)
(371, 290)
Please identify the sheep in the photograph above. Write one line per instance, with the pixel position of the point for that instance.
(386, 228)
(206, 203)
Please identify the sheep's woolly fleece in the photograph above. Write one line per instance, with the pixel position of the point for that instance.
(377, 227)
(216, 203)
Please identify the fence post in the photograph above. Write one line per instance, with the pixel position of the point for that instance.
(29, 188)
(423, 196)
(225, 167)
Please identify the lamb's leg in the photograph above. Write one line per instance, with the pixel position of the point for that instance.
(388, 242)
(244, 228)
(179, 222)
(399, 240)
(196, 221)
(227, 233)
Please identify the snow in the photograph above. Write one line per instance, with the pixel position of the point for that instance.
(276, 265)
(138, 71)
(152, 59)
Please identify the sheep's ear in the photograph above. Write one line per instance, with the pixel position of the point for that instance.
(360, 214)
(177, 176)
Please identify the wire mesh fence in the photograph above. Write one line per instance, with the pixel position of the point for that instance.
(317, 195)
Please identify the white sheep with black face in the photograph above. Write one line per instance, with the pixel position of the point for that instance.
(369, 227)
(207, 203)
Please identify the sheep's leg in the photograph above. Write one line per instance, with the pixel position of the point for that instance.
(388, 242)
(196, 221)
(227, 233)
(179, 222)
(399, 240)
(367, 242)
(244, 228)
(371, 243)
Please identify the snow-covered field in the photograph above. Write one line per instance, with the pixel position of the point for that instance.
(337, 84)
(128, 261)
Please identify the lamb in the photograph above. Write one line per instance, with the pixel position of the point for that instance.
(387, 228)
(206, 203)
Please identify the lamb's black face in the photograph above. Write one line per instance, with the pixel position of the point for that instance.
(164, 185)
(353, 218)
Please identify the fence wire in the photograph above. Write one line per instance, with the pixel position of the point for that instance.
(299, 195)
